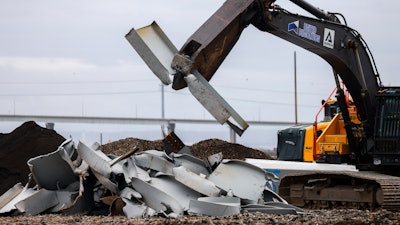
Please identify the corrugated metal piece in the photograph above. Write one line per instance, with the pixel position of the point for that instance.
(155, 48)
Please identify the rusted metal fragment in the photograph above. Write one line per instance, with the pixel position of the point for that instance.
(243, 179)
(214, 103)
(155, 48)
(38, 202)
(175, 189)
(215, 206)
(196, 182)
(157, 199)
(173, 144)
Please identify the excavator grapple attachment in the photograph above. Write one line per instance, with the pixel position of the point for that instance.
(157, 51)
(207, 48)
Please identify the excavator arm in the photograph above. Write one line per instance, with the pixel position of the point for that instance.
(341, 46)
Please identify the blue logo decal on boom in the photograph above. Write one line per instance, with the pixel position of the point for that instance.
(294, 26)
(308, 31)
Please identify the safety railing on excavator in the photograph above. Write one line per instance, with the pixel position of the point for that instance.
(315, 130)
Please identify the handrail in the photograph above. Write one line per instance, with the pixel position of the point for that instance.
(316, 123)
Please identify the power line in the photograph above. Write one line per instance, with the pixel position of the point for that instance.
(265, 90)
(77, 94)
(72, 82)
(249, 100)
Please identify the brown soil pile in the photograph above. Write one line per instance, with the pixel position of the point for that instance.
(205, 148)
(201, 150)
(16, 148)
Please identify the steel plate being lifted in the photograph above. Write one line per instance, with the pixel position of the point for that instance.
(155, 48)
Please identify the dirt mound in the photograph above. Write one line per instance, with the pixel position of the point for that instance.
(202, 149)
(205, 148)
(120, 147)
(16, 148)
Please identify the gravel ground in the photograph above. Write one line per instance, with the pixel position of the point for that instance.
(336, 216)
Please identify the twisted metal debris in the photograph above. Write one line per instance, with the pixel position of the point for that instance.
(139, 185)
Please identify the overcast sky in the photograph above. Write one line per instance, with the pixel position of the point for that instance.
(63, 57)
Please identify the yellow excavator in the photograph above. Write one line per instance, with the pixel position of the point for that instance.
(365, 133)
(322, 142)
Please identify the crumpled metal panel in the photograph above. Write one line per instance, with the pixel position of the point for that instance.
(155, 48)
(38, 202)
(134, 210)
(12, 196)
(196, 182)
(9, 195)
(97, 160)
(156, 198)
(243, 179)
(192, 163)
(215, 206)
(154, 161)
(54, 171)
(175, 189)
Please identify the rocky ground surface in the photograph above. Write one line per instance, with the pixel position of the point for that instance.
(336, 216)
(31, 140)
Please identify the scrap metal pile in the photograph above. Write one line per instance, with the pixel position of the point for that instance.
(75, 179)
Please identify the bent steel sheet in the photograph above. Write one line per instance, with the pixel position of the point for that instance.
(196, 182)
(157, 199)
(97, 160)
(54, 171)
(154, 161)
(243, 179)
(214, 103)
(215, 206)
(156, 50)
(192, 163)
(175, 189)
(38, 202)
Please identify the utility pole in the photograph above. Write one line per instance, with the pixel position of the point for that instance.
(162, 102)
(295, 89)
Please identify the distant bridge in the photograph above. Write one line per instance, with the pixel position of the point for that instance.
(122, 120)
(129, 120)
